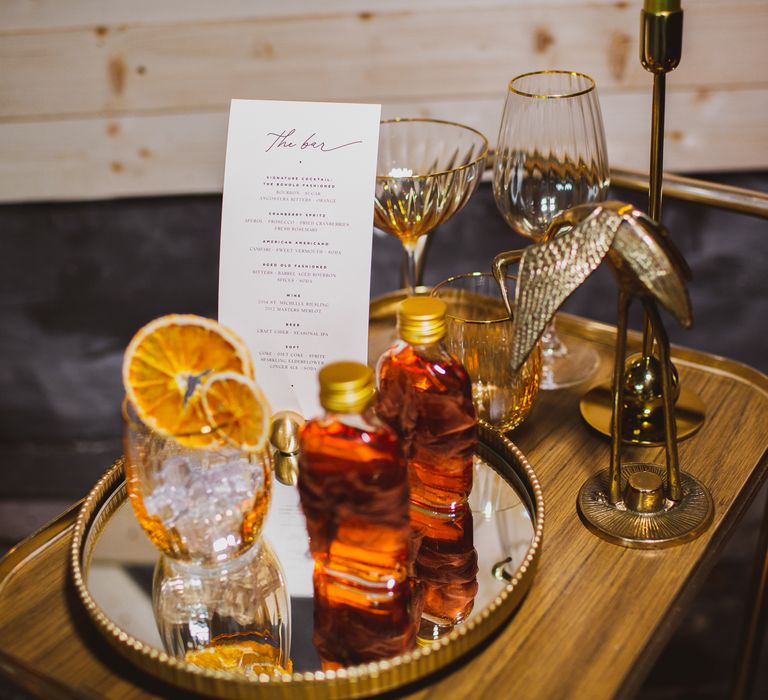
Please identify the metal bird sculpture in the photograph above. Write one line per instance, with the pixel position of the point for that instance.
(643, 259)
(646, 266)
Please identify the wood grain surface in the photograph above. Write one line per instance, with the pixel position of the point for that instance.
(597, 615)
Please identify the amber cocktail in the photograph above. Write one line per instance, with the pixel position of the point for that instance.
(480, 335)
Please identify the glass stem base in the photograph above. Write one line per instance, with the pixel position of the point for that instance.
(564, 366)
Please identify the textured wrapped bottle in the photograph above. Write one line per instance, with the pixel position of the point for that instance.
(354, 493)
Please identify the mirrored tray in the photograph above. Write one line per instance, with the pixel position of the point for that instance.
(113, 563)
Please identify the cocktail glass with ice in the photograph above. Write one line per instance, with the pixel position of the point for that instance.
(197, 459)
(202, 505)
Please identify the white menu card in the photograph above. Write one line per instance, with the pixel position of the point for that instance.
(296, 236)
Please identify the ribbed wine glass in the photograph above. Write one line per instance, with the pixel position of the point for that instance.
(427, 170)
(551, 156)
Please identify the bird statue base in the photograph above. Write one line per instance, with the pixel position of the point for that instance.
(644, 518)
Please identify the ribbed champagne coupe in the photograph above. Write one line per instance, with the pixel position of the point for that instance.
(427, 170)
(551, 156)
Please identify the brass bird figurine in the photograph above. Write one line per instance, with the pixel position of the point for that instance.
(645, 262)
(646, 265)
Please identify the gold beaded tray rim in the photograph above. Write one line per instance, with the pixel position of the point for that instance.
(356, 681)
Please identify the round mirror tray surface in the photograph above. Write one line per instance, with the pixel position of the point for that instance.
(113, 564)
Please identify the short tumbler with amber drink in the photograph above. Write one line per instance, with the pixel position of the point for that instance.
(197, 468)
(480, 334)
(200, 499)
(196, 465)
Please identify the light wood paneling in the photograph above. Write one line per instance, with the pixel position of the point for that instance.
(97, 158)
(184, 153)
(58, 14)
(422, 55)
(101, 99)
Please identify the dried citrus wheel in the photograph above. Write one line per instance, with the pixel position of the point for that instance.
(238, 410)
(247, 657)
(166, 362)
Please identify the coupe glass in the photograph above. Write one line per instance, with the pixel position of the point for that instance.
(551, 156)
(427, 170)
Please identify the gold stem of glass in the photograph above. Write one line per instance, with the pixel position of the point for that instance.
(411, 266)
(421, 248)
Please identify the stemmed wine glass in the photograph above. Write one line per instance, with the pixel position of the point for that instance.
(427, 170)
(551, 156)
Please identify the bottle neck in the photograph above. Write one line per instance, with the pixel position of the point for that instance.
(429, 350)
(363, 420)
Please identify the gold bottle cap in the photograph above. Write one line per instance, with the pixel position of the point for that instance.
(421, 320)
(346, 387)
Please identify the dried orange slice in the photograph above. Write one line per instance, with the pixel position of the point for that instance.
(165, 364)
(247, 657)
(238, 409)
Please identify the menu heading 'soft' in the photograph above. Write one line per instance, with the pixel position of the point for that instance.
(296, 234)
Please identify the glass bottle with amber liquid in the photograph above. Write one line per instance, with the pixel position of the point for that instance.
(354, 493)
(425, 395)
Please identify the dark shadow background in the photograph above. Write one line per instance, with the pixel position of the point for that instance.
(78, 279)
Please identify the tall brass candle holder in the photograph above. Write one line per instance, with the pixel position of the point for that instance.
(641, 505)
(643, 421)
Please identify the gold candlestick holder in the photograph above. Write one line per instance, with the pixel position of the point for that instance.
(641, 505)
(661, 45)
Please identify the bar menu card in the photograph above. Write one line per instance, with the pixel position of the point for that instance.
(296, 236)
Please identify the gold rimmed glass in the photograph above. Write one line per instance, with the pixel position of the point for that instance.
(426, 172)
(551, 156)
(480, 334)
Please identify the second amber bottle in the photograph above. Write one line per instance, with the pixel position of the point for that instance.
(425, 395)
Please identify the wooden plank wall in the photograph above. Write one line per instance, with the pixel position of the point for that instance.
(104, 98)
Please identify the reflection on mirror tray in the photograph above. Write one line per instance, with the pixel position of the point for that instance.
(236, 618)
(255, 616)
